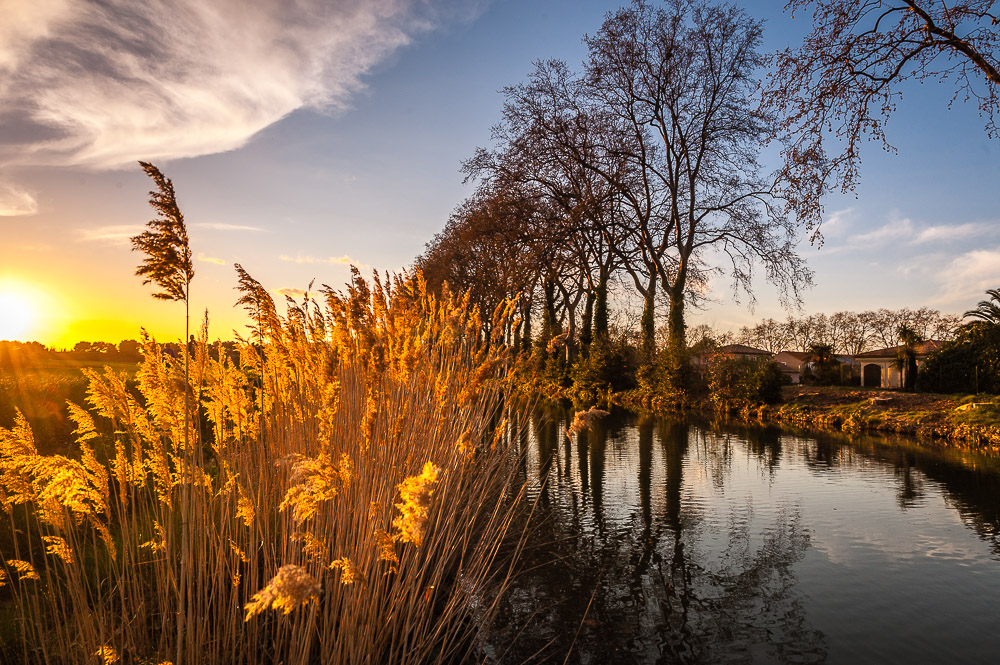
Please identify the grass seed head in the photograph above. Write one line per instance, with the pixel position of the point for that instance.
(416, 493)
(291, 588)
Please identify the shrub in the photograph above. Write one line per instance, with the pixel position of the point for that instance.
(969, 363)
(737, 382)
(608, 366)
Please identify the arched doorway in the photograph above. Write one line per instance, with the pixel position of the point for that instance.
(873, 375)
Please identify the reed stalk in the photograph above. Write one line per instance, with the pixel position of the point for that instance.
(346, 503)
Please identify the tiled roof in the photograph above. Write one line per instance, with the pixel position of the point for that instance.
(742, 350)
(800, 355)
(922, 349)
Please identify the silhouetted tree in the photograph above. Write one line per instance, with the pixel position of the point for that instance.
(987, 310)
(843, 82)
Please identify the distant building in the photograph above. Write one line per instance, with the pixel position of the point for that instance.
(880, 368)
(702, 361)
(792, 363)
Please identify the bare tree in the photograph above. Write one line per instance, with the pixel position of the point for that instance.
(843, 81)
(664, 113)
(770, 335)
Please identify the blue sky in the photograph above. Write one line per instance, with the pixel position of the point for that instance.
(299, 142)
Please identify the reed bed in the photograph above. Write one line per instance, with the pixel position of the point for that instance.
(344, 497)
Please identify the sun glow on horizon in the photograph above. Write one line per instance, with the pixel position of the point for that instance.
(16, 315)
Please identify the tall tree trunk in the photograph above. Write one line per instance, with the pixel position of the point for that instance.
(526, 331)
(676, 366)
(549, 322)
(586, 325)
(649, 322)
(601, 308)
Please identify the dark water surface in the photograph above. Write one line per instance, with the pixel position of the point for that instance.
(660, 541)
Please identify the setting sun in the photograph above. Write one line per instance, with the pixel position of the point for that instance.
(15, 316)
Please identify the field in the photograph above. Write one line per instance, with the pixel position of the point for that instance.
(40, 386)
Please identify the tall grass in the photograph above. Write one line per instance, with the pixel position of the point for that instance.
(347, 497)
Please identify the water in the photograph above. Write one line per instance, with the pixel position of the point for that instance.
(659, 541)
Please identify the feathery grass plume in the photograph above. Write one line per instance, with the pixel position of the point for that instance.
(584, 420)
(58, 546)
(465, 444)
(25, 571)
(17, 454)
(168, 255)
(107, 654)
(159, 544)
(313, 546)
(168, 265)
(244, 508)
(292, 587)
(239, 553)
(315, 480)
(386, 548)
(349, 573)
(260, 305)
(415, 493)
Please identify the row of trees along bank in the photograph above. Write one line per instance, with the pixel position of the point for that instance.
(643, 167)
(644, 164)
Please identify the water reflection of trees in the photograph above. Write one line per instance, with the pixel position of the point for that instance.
(969, 483)
(643, 587)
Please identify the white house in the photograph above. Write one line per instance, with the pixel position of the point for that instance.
(880, 368)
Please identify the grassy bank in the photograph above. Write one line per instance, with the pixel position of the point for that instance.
(968, 421)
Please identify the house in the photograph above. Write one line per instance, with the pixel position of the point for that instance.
(702, 361)
(880, 368)
(742, 351)
(792, 363)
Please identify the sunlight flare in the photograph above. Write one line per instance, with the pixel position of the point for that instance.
(16, 315)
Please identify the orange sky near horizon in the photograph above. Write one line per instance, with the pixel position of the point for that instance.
(59, 313)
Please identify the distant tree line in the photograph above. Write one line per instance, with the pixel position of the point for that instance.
(970, 361)
(847, 333)
(12, 352)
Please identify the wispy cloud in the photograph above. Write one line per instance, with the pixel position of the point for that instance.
(946, 232)
(333, 260)
(296, 294)
(116, 235)
(967, 277)
(896, 229)
(105, 83)
(209, 259)
(836, 222)
(900, 231)
(221, 226)
(14, 201)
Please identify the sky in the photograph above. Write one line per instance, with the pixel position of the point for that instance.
(306, 136)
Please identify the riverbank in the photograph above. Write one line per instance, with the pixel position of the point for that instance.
(968, 421)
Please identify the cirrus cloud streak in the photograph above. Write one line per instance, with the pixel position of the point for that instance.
(101, 84)
(16, 202)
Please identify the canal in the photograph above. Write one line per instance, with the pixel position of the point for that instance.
(658, 540)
